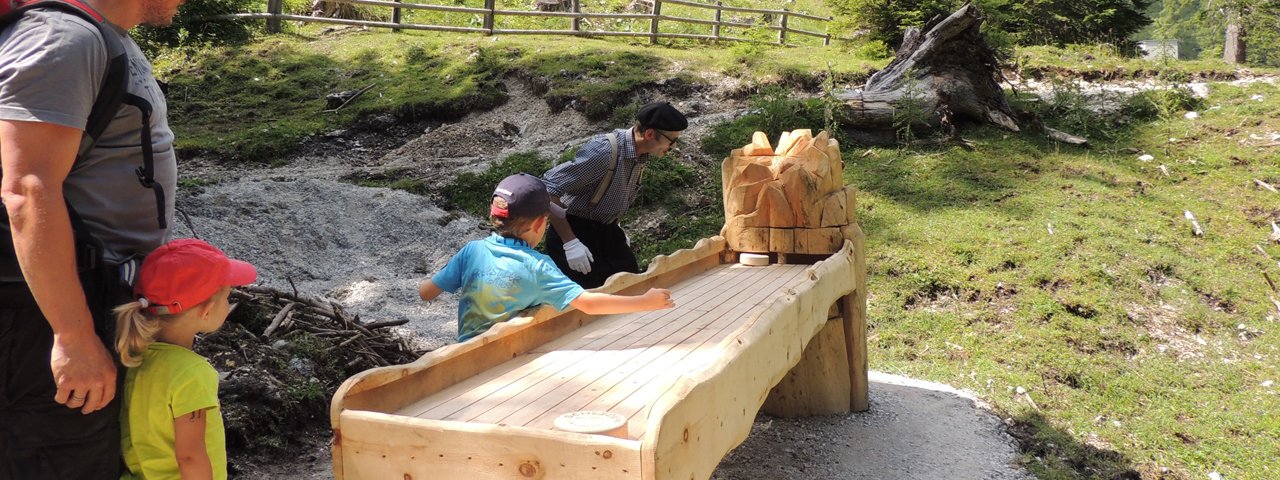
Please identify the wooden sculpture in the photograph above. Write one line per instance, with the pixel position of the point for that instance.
(791, 199)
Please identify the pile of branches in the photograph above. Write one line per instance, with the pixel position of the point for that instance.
(281, 356)
(367, 345)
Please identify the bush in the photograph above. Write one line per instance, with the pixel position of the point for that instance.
(873, 50)
(1025, 22)
(193, 26)
(772, 111)
(1152, 104)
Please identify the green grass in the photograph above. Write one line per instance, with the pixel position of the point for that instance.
(1103, 62)
(258, 101)
(1142, 346)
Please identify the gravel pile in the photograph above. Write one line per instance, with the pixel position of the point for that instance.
(368, 248)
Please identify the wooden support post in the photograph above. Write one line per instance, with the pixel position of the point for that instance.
(853, 312)
(274, 7)
(782, 34)
(577, 21)
(488, 16)
(715, 29)
(653, 23)
(395, 16)
(819, 384)
(826, 40)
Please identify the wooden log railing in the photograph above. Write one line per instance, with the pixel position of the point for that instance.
(490, 14)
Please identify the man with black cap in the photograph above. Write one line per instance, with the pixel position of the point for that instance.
(597, 187)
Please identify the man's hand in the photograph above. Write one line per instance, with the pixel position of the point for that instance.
(83, 372)
(578, 256)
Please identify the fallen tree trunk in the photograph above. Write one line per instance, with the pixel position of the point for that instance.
(942, 75)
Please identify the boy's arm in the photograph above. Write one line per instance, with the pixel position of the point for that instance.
(593, 303)
(188, 439)
(429, 291)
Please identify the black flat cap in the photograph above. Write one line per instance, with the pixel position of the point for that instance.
(662, 116)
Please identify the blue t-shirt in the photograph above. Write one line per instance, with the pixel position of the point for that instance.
(497, 278)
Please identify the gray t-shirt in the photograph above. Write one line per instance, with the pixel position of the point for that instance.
(51, 68)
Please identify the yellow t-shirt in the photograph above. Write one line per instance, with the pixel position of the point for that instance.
(171, 382)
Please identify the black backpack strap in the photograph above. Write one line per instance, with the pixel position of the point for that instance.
(115, 80)
(147, 172)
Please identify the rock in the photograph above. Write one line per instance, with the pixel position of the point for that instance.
(336, 99)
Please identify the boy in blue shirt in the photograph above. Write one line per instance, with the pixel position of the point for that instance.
(501, 275)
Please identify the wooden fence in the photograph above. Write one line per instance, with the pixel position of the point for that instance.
(490, 13)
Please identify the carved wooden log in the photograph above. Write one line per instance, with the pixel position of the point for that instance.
(791, 199)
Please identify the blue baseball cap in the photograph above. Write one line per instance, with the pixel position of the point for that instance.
(525, 196)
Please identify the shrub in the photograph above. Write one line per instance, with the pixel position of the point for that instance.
(1152, 104)
(472, 191)
(193, 25)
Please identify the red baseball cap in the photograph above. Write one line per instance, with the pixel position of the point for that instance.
(183, 273)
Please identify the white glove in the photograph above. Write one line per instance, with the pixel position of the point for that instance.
(578, 256)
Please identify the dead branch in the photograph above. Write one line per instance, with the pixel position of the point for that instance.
(1265, 185)
(275, 322)
(350, 99)
(1065, 137)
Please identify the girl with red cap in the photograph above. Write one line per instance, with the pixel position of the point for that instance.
(171, 425)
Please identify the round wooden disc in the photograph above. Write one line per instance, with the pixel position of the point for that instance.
(604, 423)
(753, 259)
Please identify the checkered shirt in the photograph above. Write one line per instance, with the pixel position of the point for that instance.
(575, 182)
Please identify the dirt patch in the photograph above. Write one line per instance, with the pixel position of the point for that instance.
(1162, 322)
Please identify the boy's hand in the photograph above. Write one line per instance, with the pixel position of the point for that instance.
(659, 298)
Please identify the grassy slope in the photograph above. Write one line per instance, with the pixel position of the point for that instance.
(1140, 345)
(256, 102)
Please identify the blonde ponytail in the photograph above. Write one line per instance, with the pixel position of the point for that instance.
(135, 330)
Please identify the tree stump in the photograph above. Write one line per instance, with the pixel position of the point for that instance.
(944, 73)
(327, 9)
(552, 5)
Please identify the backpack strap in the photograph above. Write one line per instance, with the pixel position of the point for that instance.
(147, 172)
(608, 176)
(115, 80)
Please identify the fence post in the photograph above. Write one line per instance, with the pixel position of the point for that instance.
(577, 21)
(274, 7)
(653, 23)
(715, 29)
(826, 40)
(782, 34)
(488, 16)
(395, 16)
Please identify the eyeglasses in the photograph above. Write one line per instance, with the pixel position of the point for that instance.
(670, 141)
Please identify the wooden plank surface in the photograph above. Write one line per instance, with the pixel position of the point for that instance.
(618, 363)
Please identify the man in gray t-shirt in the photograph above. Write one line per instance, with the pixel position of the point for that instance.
(58, 377)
